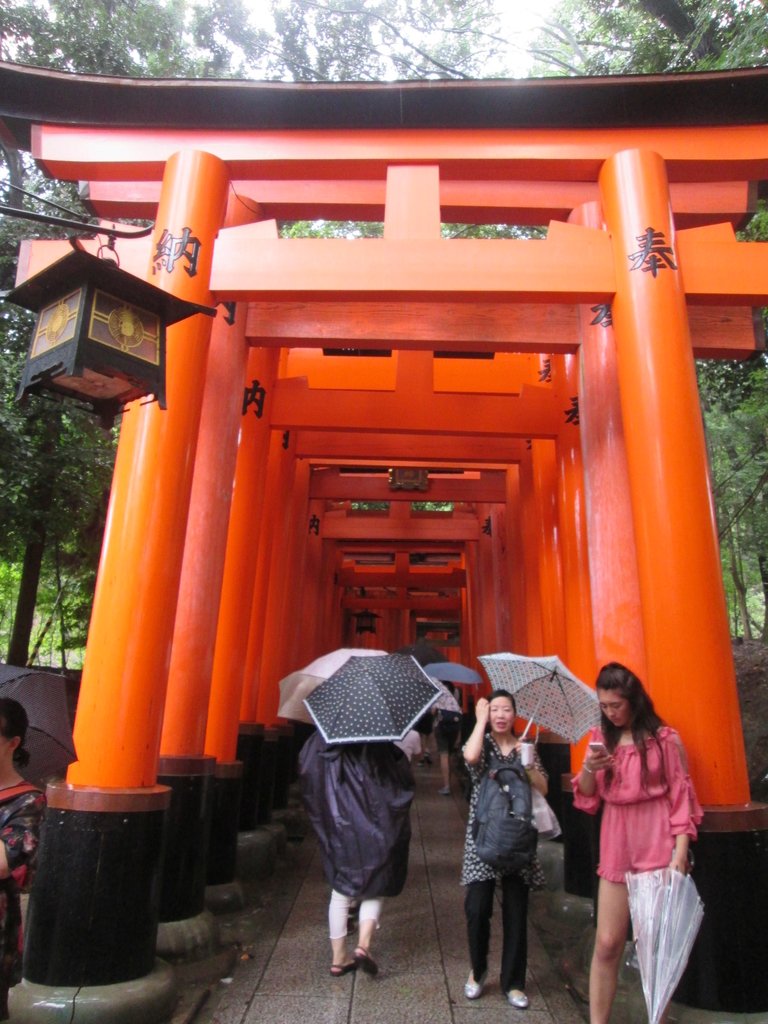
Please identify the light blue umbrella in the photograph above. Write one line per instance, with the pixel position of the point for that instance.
(453, 672)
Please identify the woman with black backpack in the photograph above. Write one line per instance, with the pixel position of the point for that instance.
(492, 746)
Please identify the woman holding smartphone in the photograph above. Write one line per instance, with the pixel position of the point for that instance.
(636, 769)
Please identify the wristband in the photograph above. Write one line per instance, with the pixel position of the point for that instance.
(587, 770)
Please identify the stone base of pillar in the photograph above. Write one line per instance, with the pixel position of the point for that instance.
(249, 742)
(581, 845)
(222, 849)
(727, 968)
(268, 765)
(191, 938)
(100, 849)
(294, 820)
(225, 898)
(257, 853)
(147, 1000)
(188, 820)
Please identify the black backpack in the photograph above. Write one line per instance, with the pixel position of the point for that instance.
(503, 830)
(449, 721)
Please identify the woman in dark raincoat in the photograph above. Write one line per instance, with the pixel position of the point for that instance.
(358, 798)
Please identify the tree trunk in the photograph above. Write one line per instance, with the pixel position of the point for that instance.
(741, 591)
(41, 501)
(18, 648)
(674, 17)
(762, 561)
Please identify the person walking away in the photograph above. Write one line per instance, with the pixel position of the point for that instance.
(493, 736)
(636, 770)
(447, 730)
(358, 797)
(424, 727)
(21, 812)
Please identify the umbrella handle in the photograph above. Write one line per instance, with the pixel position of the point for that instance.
(535, 711)
(525, 731)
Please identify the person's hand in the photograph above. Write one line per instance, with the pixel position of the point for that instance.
(482, 711)
(597, 761)
(679, 861)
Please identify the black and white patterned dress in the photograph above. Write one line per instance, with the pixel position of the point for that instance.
(473, 869)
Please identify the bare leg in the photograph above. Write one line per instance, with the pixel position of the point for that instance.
(339, 950)
(365, 933)
(445, 769)
(612, 923)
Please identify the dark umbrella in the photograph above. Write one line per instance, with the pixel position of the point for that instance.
(453, 672)
(423, 652)
(43, 695)
(372, 699)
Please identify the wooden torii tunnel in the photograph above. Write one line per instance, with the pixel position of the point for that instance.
(543, 386)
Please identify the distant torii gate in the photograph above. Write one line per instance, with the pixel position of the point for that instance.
(209, 572)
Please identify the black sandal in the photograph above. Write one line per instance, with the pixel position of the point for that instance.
(339, 970)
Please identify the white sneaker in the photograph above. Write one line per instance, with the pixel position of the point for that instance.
(474, 989)
(517, 998)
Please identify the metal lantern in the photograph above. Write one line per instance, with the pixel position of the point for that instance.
(407, 479)
(100, 333)
(365, 622)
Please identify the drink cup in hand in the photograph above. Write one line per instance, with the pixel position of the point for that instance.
(526, 755)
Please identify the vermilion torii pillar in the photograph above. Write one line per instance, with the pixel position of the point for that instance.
(111, 810)
(683, 605)
(687, 644)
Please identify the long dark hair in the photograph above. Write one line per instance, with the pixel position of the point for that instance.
(643, 720)
(14, 722)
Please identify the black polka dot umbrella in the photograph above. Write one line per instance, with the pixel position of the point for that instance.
(370, 699)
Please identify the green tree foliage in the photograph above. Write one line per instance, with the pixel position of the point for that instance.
(289, 40)
(610, 37)
(387, 39)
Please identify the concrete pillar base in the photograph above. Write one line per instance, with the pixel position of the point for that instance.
(257, 852)
(224, 898)
(192, 938)
(293, 820)
(147, 1000)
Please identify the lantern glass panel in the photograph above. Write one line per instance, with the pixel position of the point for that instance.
(125, 327)
(56, 324)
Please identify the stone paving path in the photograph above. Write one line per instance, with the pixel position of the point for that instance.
(281, 974)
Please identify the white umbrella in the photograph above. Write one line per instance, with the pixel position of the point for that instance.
(666, 915)
(545, 691)
(297, 686)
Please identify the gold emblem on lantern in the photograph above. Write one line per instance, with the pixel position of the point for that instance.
(126, 328)
(57, 323)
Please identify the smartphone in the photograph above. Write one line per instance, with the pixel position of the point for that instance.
(598, 748)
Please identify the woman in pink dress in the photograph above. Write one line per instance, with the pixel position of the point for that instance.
(639, 776)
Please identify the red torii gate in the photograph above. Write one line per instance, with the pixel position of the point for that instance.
(651, 174)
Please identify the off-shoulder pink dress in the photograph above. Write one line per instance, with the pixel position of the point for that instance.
(639, 824)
